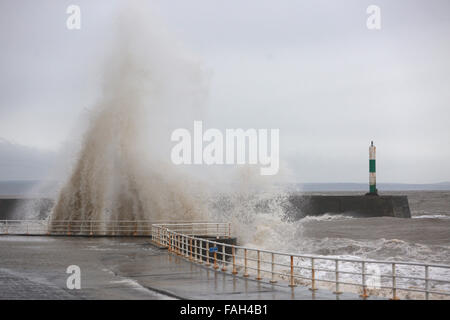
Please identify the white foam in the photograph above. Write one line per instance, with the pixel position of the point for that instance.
(327, 217)
(432, 216)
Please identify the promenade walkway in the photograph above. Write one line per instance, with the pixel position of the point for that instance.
(34, 267)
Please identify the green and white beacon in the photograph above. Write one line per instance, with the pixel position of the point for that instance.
(372, 174)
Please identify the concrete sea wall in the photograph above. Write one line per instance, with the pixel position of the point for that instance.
(297, 206)
(19, 209)
(358, 206)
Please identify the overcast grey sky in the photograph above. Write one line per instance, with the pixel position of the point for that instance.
(310, 68)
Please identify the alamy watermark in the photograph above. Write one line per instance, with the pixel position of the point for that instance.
(74, 280)
(374, 19)
(236, 146)
(73, 21)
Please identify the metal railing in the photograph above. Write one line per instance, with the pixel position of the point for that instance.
(201, 229)
(385, 278)
(78, 227)
(100, 227)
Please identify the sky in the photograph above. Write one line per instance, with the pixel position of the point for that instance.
(309, 68)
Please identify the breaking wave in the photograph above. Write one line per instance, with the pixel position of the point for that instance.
(151, 86)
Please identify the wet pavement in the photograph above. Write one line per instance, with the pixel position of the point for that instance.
(34, 267)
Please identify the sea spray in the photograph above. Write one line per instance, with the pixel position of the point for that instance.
(123, 171)
(152, 86)
(256, 206)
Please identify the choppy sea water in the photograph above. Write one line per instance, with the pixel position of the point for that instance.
(423, 238)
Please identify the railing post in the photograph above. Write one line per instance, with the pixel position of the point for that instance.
(291, 277)
(174, 239)
(174, 244)
(207, 254)
(170, 241)
(363, 274)
(245, 263)
(135, 229)
(200, 249)
(258, 277)
(215, 261)
(394, 283)
(233, 250)
(68, 232)
(190, 248)
(198, 252)
(336, 268)
(172, 236)
(273, 269)
(224, 261)
(164, 237)
(427, 293)
(6, 226)
(195, 251)
(313, 276)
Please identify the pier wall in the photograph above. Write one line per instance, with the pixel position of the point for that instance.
(19, 209)
(297, 207)
(358, 206)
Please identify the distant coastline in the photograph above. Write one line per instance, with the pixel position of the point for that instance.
(29, 188)
(307, 187)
